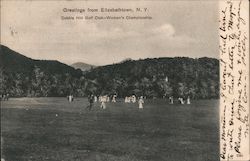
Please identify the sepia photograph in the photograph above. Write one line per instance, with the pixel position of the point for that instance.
(110, 80)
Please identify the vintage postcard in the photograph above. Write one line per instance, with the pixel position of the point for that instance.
(126, 80)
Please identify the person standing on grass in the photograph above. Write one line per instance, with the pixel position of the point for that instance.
(133, 98)
(95, 98)
(141, 102)
(70, 98)
(114, 98)
(91, 101)
(103, 100)
(127, 99)
(188, 100)
(107, 98)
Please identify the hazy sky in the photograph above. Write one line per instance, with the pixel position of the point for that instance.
(178, 28)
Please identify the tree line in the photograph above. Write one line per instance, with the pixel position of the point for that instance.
(159, 77)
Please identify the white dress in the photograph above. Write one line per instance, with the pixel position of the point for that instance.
(103, 100)
(70, 98)
(114, 98)
(140, 103)
(133, 99)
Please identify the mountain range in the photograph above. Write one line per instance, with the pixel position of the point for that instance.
(14, 62)
(155, 77)
(82, 66)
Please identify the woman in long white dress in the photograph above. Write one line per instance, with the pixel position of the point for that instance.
(103, 100)
(133, 99)
(70, 98)
(188, 100)
(141, 102)
(114, 98)
(95, 98)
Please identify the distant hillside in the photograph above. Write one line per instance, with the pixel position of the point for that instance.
(23, 76)
(15, 62)
(82, 66)
(197, 78)
(158, 77)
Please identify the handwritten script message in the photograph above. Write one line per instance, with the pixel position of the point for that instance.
(234, 80)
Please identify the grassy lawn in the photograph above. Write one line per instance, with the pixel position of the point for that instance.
(52, 129)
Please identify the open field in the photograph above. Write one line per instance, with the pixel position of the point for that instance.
(52, 129)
